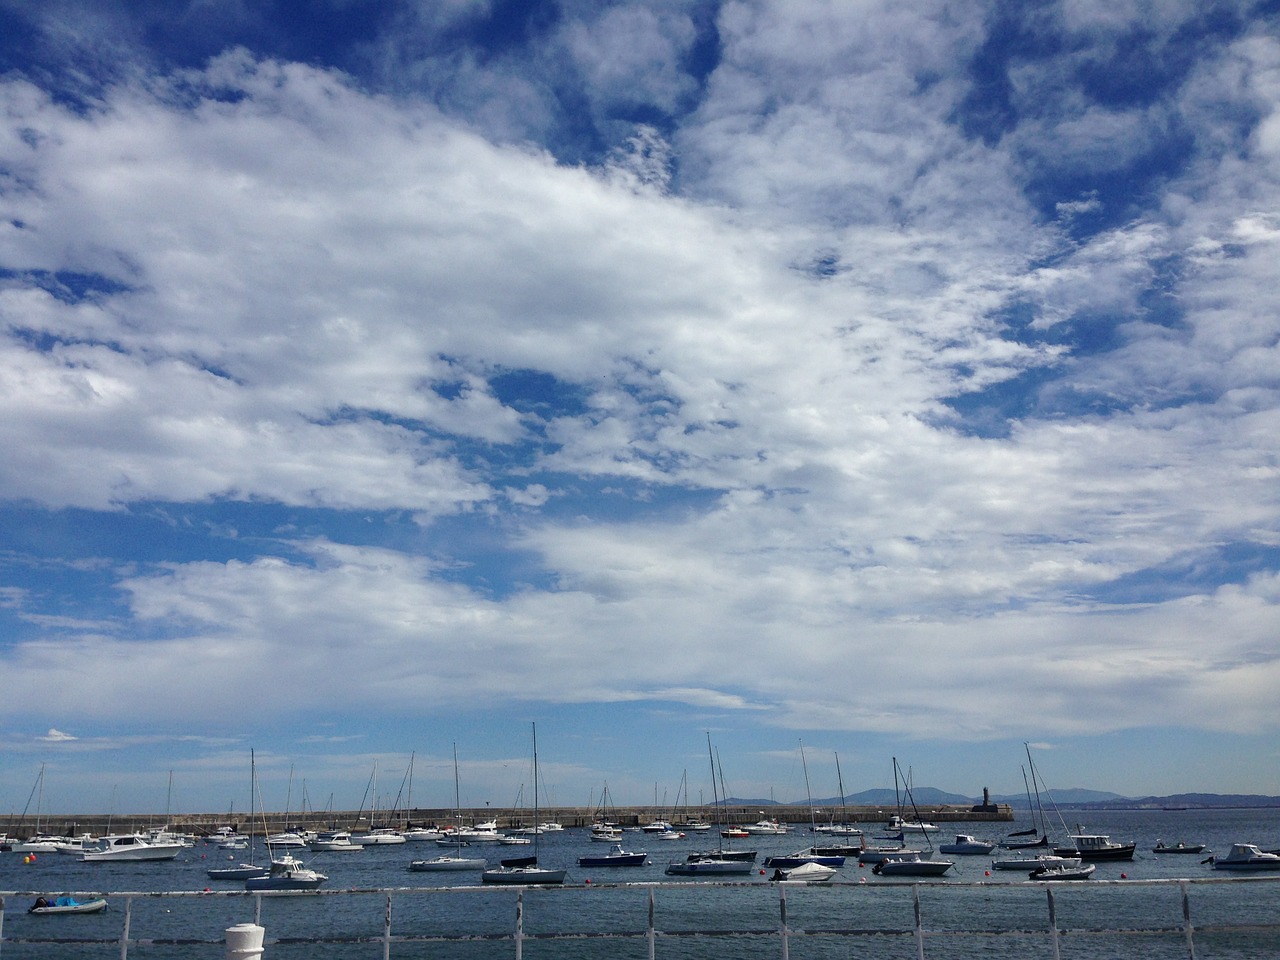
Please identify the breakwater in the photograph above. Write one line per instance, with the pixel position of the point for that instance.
(870, 817)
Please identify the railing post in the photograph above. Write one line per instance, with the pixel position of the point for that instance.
(915, 898)
(386, 932)
(782, 907)
(1053, 924)
(124, 934)
(244, 941)
(1186, 922)
(1, 923)
(519, 925)
(257, 909)
(652, 933)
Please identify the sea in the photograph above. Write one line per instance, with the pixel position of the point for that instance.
(974, 913)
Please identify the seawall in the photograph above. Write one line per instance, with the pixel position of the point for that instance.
(871, 818)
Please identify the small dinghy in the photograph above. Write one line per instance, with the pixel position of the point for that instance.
(44, 905)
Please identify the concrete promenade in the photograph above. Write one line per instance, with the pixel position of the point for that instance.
(870, 819)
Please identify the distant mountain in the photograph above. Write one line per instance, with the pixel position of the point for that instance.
(1074, 797)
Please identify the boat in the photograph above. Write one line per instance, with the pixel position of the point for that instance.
(40, 843)
(734, 833)
(1031, 863)
(241, 871)
(879, 852)
(709, 866)
(377, 836)
(45, 906)
(447, 862)
(455, 860)
(526, 871)
(286, 873)
(1097, 846)
(1063, 871)
(899, 825)
(804, 873)
(966, 845)
(811, 855)
(910, 864)
(76, 845)
(421, 834)
(656, 826)
(1179, 847)
(719, 863)
(334, 841)
(616, 857)
(1039, 832)
(767, 827)
(1246, 856)
(129, 847)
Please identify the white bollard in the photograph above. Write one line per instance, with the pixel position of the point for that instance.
(244, 941)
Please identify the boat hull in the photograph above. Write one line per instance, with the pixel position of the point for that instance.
(89, 906)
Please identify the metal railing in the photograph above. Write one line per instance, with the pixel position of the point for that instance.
(783, 931)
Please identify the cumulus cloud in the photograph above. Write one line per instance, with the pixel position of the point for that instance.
(861, 381)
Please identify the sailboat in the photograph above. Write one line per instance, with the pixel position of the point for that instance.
(285, 872)
(525, 870)
(1041, 831)
(244, 871)
(910, 864)
(711, 864)
(454, 861)
(810, 855)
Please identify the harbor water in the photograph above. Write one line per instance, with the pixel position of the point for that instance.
(973, 912)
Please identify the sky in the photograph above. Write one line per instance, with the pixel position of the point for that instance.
(833, 381)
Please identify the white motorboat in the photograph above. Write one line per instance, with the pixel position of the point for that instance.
(1247, 856)
(966, 845)
(378, 836)
(76, 845)
(286, 841)
(286, 873)
(334, 841)
(878, 853)
(605, 833)
(766, 827)
(40, 843)
(657, 826)
(912, 865)
(421, 834)
(1063, 871)
(709, 866)
(130, 846)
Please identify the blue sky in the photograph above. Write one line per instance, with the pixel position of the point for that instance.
(899, 379)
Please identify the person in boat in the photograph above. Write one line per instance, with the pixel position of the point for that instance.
(41, 902)
(778, 875)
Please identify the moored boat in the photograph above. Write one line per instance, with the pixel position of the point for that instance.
(1246, 856)
(1031, 863)
(805, 873)
(1097, 846)
(286, 873)
(966, 845)
(1063, 871)
(713, 866)
(129, 847)
(1179, 847)
(45, 906)
(913, 865)
(447, 862)
(616, 857)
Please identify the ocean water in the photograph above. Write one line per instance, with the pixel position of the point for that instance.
(972, 913)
